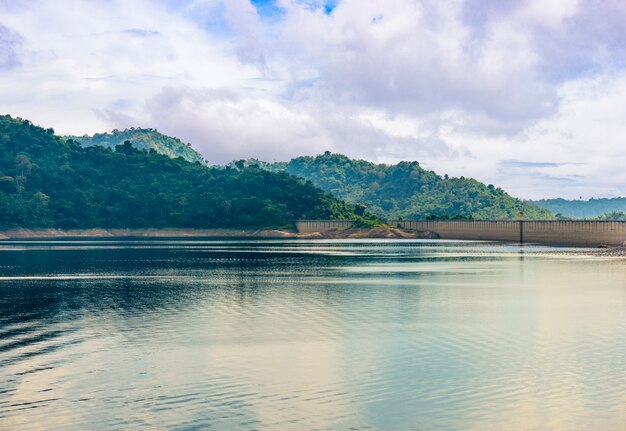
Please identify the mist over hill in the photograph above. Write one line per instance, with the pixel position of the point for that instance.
(142, 139)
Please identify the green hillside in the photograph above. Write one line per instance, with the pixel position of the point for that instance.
(48, 181)
(583, 209)
(142, 139)
(407, 191)
(612, 216)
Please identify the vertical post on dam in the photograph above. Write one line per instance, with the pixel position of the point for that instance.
(521, 227)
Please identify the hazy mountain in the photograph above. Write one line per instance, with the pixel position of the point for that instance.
(583, 209)
(142, 139)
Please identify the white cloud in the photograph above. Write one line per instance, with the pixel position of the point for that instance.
(578, 151)
(551, 14)
(225, 125)
(89, 56)
(527, 95)
(10, 43)
(417, 57)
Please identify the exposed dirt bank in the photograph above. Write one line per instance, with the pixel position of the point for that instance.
(147, 233)
(379, 232)
(198, 233)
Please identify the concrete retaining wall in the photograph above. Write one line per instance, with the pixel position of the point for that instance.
(310, 226)
(581, 233)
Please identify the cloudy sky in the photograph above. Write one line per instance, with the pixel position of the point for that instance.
(528, 95)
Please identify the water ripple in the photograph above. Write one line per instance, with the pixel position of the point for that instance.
(194, 334)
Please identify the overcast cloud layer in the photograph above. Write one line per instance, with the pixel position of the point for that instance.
(528, 95)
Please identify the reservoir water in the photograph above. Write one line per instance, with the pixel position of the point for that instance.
(293, 334)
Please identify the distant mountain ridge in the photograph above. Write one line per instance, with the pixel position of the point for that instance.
(591, 208)
(406, 190)
(142, 139)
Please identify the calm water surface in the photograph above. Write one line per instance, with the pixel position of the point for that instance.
(273, 335)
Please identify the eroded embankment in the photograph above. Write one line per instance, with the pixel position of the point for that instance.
(147, 233)
(379, 232)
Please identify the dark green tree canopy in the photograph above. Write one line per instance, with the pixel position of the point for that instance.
(406, 190)
(48, 181)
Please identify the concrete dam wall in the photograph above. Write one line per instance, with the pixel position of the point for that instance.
(581, 233)
(584, 233)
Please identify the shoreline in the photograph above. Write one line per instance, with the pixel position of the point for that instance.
(139, 233)
(380, 232)
(374, 233)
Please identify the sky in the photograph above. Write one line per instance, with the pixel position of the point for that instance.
(529, 95)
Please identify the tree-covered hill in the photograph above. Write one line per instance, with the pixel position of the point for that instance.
(583, 209)
(142, 139)
(612, 216)
(406, 190)
(48, 181)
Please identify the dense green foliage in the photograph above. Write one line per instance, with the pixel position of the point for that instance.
(407, 191)
(583, 209)
(142, 139)
(47, 181)
(613, 215)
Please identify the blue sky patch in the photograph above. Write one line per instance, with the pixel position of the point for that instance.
(268, 8)
(330, 6)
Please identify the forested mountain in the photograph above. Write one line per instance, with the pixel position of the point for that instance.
(407, 191)
(583, 209)
(48, 181)
(142, 139)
